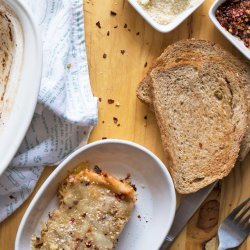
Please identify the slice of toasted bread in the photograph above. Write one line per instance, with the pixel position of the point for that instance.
(202, 115)
(94, 210)
(199, 51)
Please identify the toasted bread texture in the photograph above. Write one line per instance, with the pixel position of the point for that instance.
(194, 51)
(201, 111)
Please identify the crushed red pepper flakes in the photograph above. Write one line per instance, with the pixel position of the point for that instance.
(129, 30)
(127, 177)
(98, 24)
(104, 56)
(125, 26)
(104, 138)
(146, 64)
(110, 101)
(115, 27)
(113, 13)
(145, 117)
(134, 187)
(108, 33)
(138, 33)
(234, 16)
(103, 122)
(119, 125)
(100, 99)
(115, 120)
(122, 51)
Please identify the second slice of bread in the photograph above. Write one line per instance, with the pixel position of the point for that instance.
(202, 115)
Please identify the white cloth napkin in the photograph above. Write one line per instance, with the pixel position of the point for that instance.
(66, 109)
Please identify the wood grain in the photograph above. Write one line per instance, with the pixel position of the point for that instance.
(116, 77)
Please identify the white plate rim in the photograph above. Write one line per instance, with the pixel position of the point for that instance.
(72, 156)
(10, 139)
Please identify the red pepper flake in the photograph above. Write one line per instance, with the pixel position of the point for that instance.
(120, 196)
(100, 99)
(138, 216)
(138, 33)
(115, 27)
(72, 220)
(110, 101)
(97, 169)
(103, 121)
(104, 55)
(98, 24)
(108, 33)
(127, 177)
(88, 244)
(112, 13)
(129, 30)
(104, 138)
(145, 65)
(145, 117)
(234, 16)
(134, 187)
(125, 26)
(115, 120)
(122, 51)
(118, 125)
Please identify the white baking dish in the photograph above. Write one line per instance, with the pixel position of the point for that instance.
(22, 89)
(155, 205)
(168, 27)
(233, 39)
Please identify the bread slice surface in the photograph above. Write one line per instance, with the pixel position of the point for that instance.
(194, 51)
(202, 115)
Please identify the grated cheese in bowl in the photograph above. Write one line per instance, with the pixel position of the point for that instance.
(164, 11)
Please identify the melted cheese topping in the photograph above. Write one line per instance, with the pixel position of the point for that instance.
(94, 210)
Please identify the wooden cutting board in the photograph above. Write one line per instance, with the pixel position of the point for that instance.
(117, 63)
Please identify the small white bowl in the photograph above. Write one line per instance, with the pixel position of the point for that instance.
(156, 201)
(164, 28)
(233, 39)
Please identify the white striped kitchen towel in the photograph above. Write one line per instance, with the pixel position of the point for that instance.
(66, 110)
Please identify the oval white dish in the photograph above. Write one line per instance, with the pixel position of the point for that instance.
(167, 27)
(233, 39)
(22, 93)
(156, 201)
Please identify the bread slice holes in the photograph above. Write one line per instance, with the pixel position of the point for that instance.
(198, 179)
(218, 94)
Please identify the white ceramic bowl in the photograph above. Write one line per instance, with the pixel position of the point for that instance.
(22, 95)
(156, 201)
(233, 39)
(168, 27)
